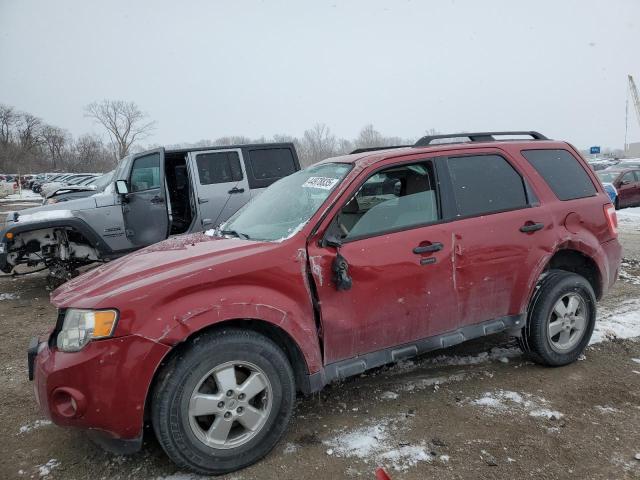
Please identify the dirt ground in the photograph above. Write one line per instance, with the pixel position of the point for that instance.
(479, 410)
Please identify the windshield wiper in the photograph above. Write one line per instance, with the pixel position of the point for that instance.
(235, 234)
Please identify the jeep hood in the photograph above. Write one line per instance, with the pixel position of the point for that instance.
(181, 262)
(53, 211)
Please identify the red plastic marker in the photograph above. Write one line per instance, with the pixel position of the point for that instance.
(381, 474)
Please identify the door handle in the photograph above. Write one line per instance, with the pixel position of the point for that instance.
(434, 247)
(157, 199)
(203, 200)
(236, 190)
(531, 227)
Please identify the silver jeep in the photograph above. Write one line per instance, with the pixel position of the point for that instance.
(154, 194)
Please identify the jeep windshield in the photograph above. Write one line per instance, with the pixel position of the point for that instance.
(287, 205)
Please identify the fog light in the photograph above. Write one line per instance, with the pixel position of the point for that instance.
(68, 402)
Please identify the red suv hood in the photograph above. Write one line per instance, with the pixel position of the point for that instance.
(173, 260)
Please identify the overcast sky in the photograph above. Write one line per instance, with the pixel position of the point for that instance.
(204, 69)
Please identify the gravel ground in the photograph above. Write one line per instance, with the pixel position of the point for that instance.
(479, 410)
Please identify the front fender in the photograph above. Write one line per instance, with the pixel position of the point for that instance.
(181, 315)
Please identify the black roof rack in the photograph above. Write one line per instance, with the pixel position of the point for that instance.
(476, 137)
(373, 149)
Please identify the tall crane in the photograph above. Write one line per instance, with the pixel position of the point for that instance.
(636, 102)
(634, 97)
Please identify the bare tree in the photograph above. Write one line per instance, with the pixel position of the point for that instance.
(29, 131)
(55, 139)
(124, 121)
(8, 120)
(317, 144)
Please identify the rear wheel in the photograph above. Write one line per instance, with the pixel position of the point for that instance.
(561, 319)
(224, 403)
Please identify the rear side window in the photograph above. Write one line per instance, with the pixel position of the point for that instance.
(562, 172)
(272, 163)
(218, 167)
(485, 184)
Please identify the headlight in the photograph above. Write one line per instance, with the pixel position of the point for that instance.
(82, 326)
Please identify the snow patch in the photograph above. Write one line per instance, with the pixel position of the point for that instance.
(9, 296)
(33, 426)
(389, 395)
(621, 322)
(505, 401)
(629, 216)
(44, 470)
(46, 215)
(375, 443)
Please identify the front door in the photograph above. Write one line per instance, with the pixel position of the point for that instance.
(145, 209)
(399, 258)
(221, 184)
(627, 190)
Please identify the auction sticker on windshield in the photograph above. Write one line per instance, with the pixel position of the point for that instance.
(325, 183)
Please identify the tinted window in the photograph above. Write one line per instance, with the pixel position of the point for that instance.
(562, 172)
(219, 167)
(145, 173)
(392, 199)
(485, 184)
(271, 163)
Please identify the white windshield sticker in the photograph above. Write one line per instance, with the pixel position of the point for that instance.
(325, 183)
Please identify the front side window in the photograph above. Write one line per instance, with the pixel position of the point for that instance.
(218, 167)
(145, 173)
(484, 184)
(396, 198)
(628, 177)
(287, 205)
(562, 172)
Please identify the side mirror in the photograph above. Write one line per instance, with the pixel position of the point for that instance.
(121, 187)
(331, 240)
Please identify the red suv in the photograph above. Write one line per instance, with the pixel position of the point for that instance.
(352, 263)
(627, 184)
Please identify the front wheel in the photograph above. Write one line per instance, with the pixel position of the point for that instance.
(561, 319)
(224, 403)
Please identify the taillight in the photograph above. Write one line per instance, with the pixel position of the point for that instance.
(612, 218)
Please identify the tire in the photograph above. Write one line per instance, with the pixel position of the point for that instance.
(543, 338)
(182, 433)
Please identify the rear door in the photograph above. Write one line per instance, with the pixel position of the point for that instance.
(498, 235)
(221, 184)
(145, 211)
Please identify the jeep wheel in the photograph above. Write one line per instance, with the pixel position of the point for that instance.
(561, 319)
(224, 403)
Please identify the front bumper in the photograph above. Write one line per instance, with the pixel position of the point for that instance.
(102, 388)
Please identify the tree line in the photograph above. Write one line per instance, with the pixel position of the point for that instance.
(29, 145)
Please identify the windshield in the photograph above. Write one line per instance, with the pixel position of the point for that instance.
(287, 205)
(607, 176)
(102, 181)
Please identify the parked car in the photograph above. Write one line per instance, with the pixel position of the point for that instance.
(626, 182)
(155, 194)
(68, 179)
(327, 274)
(84, 188)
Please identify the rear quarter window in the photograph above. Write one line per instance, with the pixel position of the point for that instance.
(268, 165)
(563, 173)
